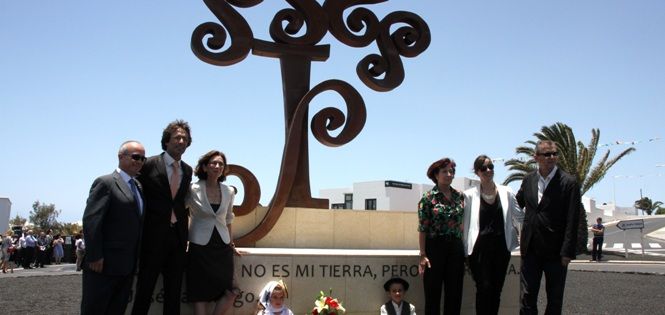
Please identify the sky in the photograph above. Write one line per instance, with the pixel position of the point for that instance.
(77, 78)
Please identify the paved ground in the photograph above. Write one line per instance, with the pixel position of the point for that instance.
(57, 290)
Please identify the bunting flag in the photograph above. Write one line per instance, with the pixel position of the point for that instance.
(619, 142)
(636, 176)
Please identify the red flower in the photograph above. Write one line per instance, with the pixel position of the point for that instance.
(315, 311)
(332, 303)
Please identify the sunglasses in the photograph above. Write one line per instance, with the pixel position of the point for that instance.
(137, 157)
(484, 168)
(549, 154)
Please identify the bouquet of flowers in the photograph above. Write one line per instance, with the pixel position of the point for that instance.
(327, 305)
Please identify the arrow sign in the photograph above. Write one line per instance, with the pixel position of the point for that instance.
(631, 224)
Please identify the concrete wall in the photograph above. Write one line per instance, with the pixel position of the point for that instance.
(5, 211)
(355, 277)
(341, 229)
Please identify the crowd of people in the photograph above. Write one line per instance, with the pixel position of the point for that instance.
(148, 218)
(30, 251)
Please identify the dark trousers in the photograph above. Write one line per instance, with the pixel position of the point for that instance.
(104, 294)
(446, 255)
(41, 258)
(28, 254)
(488, 264)
(597, 248)
(171, 264)
(532, 270)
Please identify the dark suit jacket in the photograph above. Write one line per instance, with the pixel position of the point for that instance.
(550, 227)
(112, 225)
(157, 194)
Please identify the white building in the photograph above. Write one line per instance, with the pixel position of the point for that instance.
(5, 210)
(388, 195)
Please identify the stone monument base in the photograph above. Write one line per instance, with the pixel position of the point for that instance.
(355, 277)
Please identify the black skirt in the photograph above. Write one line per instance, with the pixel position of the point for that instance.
(209, 270)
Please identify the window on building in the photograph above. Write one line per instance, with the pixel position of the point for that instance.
(348, 201)
(370, 204)
(337, 206)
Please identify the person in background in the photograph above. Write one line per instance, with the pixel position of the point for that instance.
(551, 199)
(49, 246)
(42, 249)
(20, 260)
(29, 250)
(79, 245)
(211, 247)
(598, 231)
(112, 222)
(165, 179)
(396, 289)
(7, 250)
(271, 299)
(491, 220)
(58, 250)
(440, 219)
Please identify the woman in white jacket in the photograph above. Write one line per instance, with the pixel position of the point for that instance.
(211, 248)
(491, 221)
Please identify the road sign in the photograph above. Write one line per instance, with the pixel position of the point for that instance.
(631, 224)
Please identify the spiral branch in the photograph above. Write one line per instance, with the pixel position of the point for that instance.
(238, 29)
(408, 41)
(359, 20)
(330, 118)
(306, 12)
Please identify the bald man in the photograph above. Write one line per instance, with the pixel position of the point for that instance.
(112, 227)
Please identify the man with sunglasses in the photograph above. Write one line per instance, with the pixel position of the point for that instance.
(166, 179)
(551, 198)
(112, 226)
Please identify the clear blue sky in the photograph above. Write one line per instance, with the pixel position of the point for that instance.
(77, 78)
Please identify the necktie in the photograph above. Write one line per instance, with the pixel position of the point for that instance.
(135, 192)
(175, 184)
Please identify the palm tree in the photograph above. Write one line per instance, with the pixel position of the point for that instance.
(575, 158)
(647, 205)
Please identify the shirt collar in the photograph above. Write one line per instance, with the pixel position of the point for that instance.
(398, 307)
(124, 175)
(168, 159)
(550, 175)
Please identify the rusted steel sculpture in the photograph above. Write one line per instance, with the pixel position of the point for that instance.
(381, 72)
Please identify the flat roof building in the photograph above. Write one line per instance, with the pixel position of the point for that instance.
(385, 195)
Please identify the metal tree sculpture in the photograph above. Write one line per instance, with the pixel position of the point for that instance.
(381, 72)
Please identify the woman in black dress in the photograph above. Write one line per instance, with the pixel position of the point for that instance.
(211, 248)
(491, 221)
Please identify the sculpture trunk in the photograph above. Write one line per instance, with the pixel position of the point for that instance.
(295, 84)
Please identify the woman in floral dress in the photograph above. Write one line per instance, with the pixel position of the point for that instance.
(440, 218)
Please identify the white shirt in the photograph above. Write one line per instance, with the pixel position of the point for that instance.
(543, 182)
(126, 178)
(80, 244)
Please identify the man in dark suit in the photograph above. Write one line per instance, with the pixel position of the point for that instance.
(112, 228)
(166, 182)
(551, 198)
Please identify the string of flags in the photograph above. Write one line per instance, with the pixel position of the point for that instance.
(619, 142)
